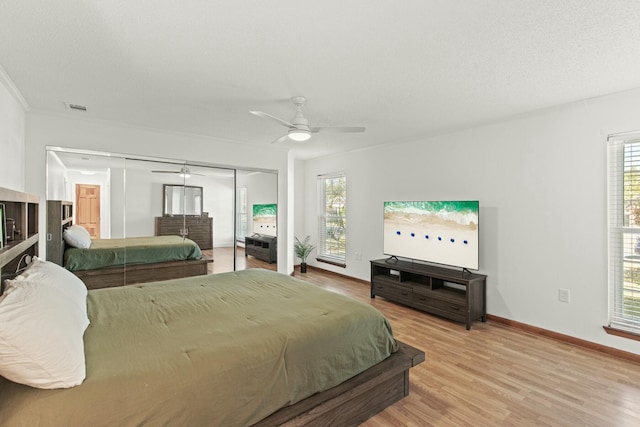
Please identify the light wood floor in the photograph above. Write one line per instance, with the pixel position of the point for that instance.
(495, 375)
(223, 260)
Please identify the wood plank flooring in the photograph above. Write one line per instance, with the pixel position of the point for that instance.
(496, 375)
(223, 260)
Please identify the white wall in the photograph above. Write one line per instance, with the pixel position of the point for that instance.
(63, 131)
(300, 221)
(219, 200)
(58, 181)
(541, 182)
(12, 135)
(143, 201)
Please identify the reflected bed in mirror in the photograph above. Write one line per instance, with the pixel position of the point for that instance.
(132, 198)
(181, 200)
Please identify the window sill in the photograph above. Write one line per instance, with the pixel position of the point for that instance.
(621, 333)
(332, 262)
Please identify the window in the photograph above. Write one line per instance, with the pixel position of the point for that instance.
(624, 234)
(332, 218)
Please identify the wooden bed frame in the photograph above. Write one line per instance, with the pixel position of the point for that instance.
(347, 404)
(141, 273)
(355, 400)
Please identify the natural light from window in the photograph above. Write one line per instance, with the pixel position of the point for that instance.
(332, 219)
(624, 234)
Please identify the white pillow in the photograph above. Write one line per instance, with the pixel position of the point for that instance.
(42, 323)
(77, 236)
(47, 273)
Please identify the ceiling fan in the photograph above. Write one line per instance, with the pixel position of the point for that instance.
(299, 129)
(184, 172)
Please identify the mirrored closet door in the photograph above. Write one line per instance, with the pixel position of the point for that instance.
(256, 219)
(150, 201)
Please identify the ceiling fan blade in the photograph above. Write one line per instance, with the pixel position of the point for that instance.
(283, 138)
(269, 116)
(180, 172)
(343, 129)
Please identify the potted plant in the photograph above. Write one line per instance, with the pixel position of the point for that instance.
(303, 248)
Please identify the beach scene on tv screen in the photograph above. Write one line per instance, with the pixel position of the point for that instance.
(265, 219)
(442, 232)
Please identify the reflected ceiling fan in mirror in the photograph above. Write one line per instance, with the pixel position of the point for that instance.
(299, 129)
(184, 172)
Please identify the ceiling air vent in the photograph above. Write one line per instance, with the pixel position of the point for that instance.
(75, 107)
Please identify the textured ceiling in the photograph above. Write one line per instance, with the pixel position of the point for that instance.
(404, 70)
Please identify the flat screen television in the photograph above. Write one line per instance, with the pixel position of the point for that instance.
(442, 232)
(265, 219)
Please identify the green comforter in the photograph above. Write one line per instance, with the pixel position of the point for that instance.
(132, 250)
(226, 349)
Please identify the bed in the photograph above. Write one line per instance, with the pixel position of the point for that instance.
(135, 250)
(118, 262)
(253, 347)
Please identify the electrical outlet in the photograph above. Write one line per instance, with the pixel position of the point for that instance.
(358, 256)
(564, 295)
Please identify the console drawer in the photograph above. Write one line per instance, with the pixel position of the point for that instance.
(396, 292)
(458, 316)
(451, 307)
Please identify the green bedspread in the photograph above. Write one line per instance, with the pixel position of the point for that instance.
(133, 250)
(218, 350)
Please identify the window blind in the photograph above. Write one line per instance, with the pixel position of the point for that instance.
(332, 220)
(624, 233)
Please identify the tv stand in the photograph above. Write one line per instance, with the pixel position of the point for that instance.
(262, 247)
(453, 294)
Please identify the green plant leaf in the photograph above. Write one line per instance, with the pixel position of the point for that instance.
(303, 248)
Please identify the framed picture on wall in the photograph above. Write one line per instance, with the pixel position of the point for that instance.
(3, 232)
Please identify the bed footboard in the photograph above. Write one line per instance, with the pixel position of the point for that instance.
(355, 400)
(141, 273)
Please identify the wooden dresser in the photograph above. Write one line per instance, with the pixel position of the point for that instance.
(198, 229)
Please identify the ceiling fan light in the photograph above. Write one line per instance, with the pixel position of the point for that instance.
(184, 173)
(299, 135)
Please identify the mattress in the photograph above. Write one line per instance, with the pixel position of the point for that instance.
(135, 250)
(226, 349)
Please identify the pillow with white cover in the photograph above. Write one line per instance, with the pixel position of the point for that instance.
(77, 236)
(62, 280)
(43, 316)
